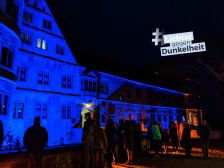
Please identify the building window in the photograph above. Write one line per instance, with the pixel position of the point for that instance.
(129, 95)
(159, 118)
(21, 73)
(18, 110)
(3, 103)
(47, 24)
(138, 94)
(153, 116)
(27, 17)
(63, 112)
(69, 112)
(46, 78)
(121, 97)
(12, 9)
(105, 88)
(66, 112)
(38, 110)
(35, 4)
(40, 77)
(44, 111)
(25, 38)
(66, 81)
(42, 44)
(7, 56)
(41, 110)
(43, 77)
(90, 85)
(59, 49)
(63, 83)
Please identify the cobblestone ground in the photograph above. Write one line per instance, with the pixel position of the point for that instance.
(196, 152)
(172, 160)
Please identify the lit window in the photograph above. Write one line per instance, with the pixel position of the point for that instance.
(38, 43)
(41, 44)
(44, 45)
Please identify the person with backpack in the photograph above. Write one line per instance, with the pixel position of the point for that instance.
(156, 138)
(88, 140)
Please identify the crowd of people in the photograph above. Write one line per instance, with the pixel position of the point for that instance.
(122, 142)
(177, 135)
(117, 142)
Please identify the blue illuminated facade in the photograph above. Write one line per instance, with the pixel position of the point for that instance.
(50, 84)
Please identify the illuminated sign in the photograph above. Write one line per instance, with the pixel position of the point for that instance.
(180, 43)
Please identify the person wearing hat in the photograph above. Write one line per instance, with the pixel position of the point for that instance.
(35, 139)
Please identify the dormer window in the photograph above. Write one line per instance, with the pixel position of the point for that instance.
(89, 85)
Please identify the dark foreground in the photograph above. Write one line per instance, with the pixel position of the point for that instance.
(174, 163)
(72, 157)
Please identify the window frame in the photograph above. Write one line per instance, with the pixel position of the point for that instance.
(6, 57)
(27, 17)
(4, 100)
(41, 43)
(24, 38)
(47, 24)
(21, 73)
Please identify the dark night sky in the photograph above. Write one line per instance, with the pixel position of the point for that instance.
(120, 31)
(115, 37)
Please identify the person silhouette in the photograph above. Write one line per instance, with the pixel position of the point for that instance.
(35, 139)
(1, 134)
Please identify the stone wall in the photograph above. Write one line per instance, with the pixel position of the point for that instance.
(64, 157)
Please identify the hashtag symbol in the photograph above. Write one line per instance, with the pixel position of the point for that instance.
(157, 38)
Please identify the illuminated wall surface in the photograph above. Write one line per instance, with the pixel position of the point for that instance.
(51, 85)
